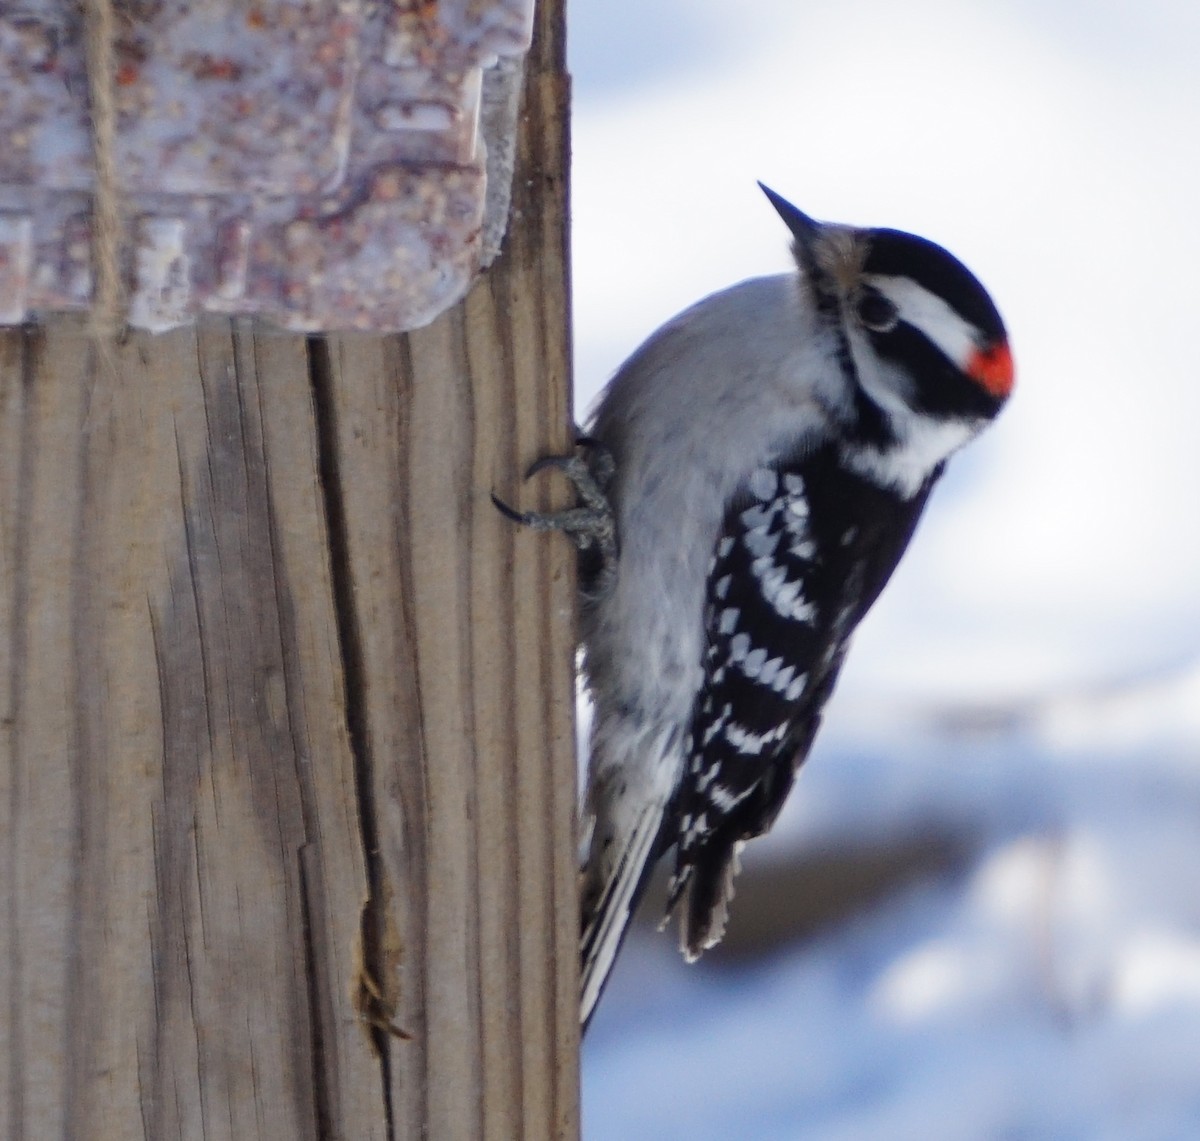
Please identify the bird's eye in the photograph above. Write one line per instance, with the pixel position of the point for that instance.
(876, 312)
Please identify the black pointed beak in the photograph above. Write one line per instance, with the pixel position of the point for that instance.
(805, 234)
(804, 229)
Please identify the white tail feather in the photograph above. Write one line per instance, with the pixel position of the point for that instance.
(605, 926)
(632, 771)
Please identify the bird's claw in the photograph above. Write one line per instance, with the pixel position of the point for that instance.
(591, 523)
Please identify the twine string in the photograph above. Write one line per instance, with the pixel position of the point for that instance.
(108, 300)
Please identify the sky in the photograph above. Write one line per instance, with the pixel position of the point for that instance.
(1053, 147)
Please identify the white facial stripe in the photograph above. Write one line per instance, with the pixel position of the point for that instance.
(907, 467)
(957, 338)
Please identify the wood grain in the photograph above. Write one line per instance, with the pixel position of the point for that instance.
(286, 718)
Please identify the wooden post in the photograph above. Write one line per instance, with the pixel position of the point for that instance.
(286, 748)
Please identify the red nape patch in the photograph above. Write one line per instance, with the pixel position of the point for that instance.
(992, 368)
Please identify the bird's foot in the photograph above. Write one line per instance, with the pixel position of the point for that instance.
(591, 524)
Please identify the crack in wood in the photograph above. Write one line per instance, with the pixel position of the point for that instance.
(19, 635)
(371, 999)
(312, 966)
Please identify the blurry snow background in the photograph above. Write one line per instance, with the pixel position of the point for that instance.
(1027, 692)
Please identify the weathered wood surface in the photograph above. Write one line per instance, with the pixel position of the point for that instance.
(286, 748)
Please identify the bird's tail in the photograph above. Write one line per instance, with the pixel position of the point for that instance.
(624, 824)
(700, 892)
(609, 902)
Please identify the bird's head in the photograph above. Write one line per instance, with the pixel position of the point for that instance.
(921, 342)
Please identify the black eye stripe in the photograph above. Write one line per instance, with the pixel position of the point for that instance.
(893, 253)
(942, 390)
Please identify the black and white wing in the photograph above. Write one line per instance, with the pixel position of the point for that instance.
(802, 556)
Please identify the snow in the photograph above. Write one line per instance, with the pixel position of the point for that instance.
(1050, 991)
(1029, 678)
